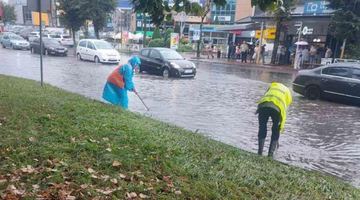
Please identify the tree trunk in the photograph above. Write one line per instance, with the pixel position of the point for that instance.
(276, 41)
(200, 38)
(73, 34)
(144, 30)
(96, 29)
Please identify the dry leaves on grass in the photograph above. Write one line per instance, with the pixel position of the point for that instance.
(131, 195)
(116, 164)
(28, 169)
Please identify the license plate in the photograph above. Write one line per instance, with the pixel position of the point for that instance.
(188, 71)
(61, 51)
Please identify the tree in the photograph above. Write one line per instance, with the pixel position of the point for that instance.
(71, 15)
(8, 13)
(345, 23)
(98, 11)
(203, 11)
(280, 9)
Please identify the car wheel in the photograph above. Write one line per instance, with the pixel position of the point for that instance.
(79, 56)
(96, 60)
(312, 92)
(166, 73)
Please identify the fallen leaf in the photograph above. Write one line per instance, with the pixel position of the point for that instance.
(131, 195)
(84, 186)
(178, 192)
(3, 180)
(106, 192)
(91, 171)
(105, 177)
(116, 164)
(114, 180)
(72, 139)
(94, 176)
(123, 176)
(93, 141)
(143, 196)
(32, 139)
(36, 187)
(14, 190)
(105, 139)
(28, 169)
(69, 197)
(108, 149)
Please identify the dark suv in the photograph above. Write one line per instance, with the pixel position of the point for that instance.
(50, 47)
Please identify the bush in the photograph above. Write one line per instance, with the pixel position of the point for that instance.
(185, 48)
(156, 34)
(184, 41)
(157, 43)
(167, 43)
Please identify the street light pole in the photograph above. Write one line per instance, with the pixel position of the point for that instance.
(41, 44)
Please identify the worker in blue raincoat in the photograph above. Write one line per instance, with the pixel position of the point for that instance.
(120, 81)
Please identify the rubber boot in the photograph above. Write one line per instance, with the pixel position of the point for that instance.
(261, 146)
(272, 148)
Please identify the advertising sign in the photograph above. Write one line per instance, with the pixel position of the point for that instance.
(33, 5)
(174, 41)
(44, 19)
(316, 7)
(196, 35)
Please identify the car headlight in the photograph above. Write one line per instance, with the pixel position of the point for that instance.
(176, 66)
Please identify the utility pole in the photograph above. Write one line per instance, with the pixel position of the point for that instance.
(260, 43)
(41, 43)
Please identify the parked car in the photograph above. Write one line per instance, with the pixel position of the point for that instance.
(33, 35)
(337, 82)
(166, 62)
(65, 40)
(25, 33)
(2, 34)
(50, 47)
(14, 42)
(98, 51)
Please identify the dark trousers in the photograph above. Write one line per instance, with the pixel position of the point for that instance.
(264, 114)
(243, 56)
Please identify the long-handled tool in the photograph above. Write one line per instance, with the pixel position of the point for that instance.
(147, 108)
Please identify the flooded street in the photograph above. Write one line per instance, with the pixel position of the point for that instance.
(220, 103)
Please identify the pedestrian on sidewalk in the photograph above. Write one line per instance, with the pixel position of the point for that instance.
(244, 48)
(273, 104)
(262, 53)
(120, 81)
(210, 50)
(238, 52)
(251, 53)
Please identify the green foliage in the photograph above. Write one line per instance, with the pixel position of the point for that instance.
(184, 41)
(9, 13)
(156, 43)
(71, 143)
(98, 11)
(353, 51)
(185, 48)
(345, 22)
(156, 34)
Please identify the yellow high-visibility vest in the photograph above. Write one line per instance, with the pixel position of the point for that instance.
(281, 97)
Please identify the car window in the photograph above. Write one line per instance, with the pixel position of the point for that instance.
(66, 36)
(356, 74)
(145, 52)
(90, 45)
(37, 40)
(82, 44)
(154, 54)
(55, 36)
(337, 71)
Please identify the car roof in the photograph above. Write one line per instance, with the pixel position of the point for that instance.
(345, 64)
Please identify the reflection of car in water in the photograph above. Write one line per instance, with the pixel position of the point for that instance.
(50, 47)
(166, 62)
(338, 82)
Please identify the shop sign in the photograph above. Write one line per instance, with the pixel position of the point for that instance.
(316, 7)
(196, 35)
(269, 33)
(224, 18)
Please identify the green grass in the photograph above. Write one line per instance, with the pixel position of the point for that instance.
(70, 144)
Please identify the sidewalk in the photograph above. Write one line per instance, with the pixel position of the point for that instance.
(203, 58)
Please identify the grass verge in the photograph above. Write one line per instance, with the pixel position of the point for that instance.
(58, 145)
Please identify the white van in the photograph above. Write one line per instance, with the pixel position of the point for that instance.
(98, 51)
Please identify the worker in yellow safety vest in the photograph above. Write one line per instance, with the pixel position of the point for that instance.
(273, 104)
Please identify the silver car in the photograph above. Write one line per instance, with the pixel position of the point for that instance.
(14, 42)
